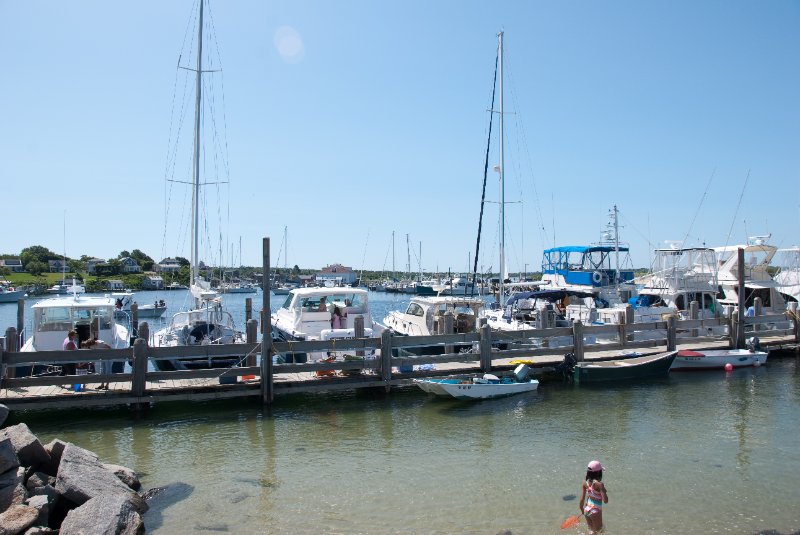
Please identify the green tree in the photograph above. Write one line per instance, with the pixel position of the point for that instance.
(76, 266)
(182, 261)
(142, 259)
(123, 254)
(36, 267)
(37, 253)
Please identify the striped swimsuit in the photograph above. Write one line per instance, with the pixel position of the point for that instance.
(594, 500)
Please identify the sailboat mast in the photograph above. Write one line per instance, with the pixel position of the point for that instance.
(501, 298)
(196, 190)
(616, 241)
(286, 245)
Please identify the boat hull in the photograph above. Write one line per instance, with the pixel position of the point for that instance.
(625, 369)
(11, 296)
(717, 359)
(466, 389)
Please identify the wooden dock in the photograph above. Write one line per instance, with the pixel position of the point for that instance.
(379, 367)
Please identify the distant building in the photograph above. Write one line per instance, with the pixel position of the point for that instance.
(337, 274)
(168, 265)
(13, 264)
(129, 265)
(92, 263)
(153, 282)
(56, 266)
(114, 285)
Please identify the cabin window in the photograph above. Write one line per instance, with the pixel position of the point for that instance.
(415, 310)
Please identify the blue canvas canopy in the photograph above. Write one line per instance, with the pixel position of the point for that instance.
(548, 295)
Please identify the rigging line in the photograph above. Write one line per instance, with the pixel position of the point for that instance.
(485, 176)
(738, 204)
(523, 139)
(363, 258)
(699, 206)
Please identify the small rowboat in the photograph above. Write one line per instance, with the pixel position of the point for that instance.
(476, 387)
(715, 359)
(624, 369)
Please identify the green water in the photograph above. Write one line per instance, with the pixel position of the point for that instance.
(703, 452)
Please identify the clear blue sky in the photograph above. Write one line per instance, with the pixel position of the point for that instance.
(347, 120)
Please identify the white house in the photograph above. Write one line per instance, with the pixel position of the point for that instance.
(337, 274)
(129, 265)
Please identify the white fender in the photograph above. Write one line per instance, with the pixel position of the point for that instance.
(597, 277)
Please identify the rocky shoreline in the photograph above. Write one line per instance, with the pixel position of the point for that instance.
(61, 488)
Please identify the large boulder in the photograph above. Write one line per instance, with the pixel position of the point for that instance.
(12, 489)
(38, 479)
(28, 448)
(81, 477)
(42, 504)
(8, 456)
(3, 414)
(17, 519)
(107, 514)
(54, 449)
(126, 475)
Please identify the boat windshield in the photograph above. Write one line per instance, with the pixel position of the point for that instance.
(355, 302)
(64, 318)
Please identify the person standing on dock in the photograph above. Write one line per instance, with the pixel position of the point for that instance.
(593, 496)
(69, 345)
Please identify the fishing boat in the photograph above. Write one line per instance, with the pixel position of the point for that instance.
(308, 314)
(757, 280)
(678, 276)
(717, 359)
(8, 294)
(475, 387)
(206, 322)
(646, 367)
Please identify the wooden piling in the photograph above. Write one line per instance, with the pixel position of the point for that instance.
(12, 345)
(248, 309)
(135, 320)
(358, 331)
(449, 328)
(20, 317)
(486, 348)
(386, 357)
(671, 334)
(577, 340)
(2, 364)
(251, 331)
(267, 372)
(694, 313)
(740, 335)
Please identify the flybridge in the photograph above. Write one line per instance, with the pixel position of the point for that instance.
(585, 265)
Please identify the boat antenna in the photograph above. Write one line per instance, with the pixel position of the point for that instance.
(485, 173)
(738, 204)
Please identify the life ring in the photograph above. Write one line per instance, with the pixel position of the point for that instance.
(597, 277)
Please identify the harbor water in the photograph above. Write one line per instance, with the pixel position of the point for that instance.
(702, 452)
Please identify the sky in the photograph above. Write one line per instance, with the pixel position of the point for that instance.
(340, 124)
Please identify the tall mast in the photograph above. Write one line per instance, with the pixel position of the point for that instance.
(408, 257)
(394, 274)
(616, 241)
(286, 245)
(196, 190)
(502, 180)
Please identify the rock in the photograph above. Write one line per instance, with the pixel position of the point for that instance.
(38, 479)
(17, 519)
(54, 448)
(105, 514)
(42, 504)
(3, 414)
(12, 491)
(81, 477)
(39, 530)
(28, 448)
(8, 456)
(126, 475)
(47, 490)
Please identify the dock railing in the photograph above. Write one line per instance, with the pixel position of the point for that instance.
(367, 362)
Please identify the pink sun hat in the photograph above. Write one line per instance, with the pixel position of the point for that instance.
(595, 466)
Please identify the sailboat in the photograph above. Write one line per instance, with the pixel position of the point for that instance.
(207, 322)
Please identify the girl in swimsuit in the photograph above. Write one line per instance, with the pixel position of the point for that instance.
(593, 496)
